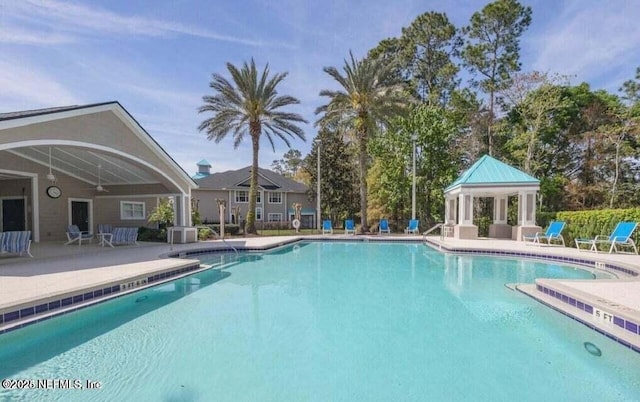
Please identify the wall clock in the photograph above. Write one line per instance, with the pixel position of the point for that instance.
(54, 191)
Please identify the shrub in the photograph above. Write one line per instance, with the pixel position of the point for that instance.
(155, 235)
(589, 224)
(163, 214)
(483, 223)
(543, 218)
(205, 233)
(229, 228)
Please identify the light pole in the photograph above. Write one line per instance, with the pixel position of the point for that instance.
(318, 142)
(413, 188)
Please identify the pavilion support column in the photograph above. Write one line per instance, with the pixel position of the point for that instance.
(447, 211)
(465, 229)
(182, 210)
(499, 228)
(526, 216)
(449, 216)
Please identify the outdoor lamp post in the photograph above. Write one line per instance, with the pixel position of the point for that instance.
(413, 188)
(319, 142)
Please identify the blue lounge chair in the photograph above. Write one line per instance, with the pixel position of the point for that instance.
(326, 227)
(384, 227)
(621, 236)
(413, 227)
(553, 233)
(75, 235)
(16, 242)
(349, 227)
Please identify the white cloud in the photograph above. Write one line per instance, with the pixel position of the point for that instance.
(589, 41)
(27, 88)
(23, 37)
(78, 18)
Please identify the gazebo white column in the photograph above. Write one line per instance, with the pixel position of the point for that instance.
(466, 229)
(526, 215)
(449, 216)
(499, 228)
(450, 211)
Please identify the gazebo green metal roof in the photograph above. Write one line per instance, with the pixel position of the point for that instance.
(203, 162)
(492, 172)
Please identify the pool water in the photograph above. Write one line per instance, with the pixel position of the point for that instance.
(328, 322)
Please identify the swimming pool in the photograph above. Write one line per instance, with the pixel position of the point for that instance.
(328, 321)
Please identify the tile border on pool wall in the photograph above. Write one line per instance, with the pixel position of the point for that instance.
(229, 249)
(628, 325)
(226, 250)
(84, 296)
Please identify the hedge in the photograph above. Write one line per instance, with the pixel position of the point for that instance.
(229, 228)
(154, 235)
(589, 224)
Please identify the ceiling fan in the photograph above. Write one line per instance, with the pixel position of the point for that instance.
(50, 176)
(99, 187)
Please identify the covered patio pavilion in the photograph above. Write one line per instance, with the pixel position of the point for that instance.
(489, 177)
(84, 165)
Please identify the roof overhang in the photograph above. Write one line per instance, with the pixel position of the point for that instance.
(491, 190)
(81, 159)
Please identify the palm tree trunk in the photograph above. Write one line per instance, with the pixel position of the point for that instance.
(364, 228)
(253, 189)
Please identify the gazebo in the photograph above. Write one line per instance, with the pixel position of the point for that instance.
(489, 177)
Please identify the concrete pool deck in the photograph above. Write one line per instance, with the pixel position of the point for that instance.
(58, 273)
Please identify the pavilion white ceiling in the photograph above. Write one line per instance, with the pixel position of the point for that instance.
(82, 164)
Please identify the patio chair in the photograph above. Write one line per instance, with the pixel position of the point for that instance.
(75, 235)
(124, 236)
(553, 233)
(413, 227)
(326, 227)
(349, 227)
(621, 236)
(105, 228)
(16, 242)
(383, 227)
(105, 233)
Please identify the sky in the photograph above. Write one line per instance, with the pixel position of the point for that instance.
(157, 57)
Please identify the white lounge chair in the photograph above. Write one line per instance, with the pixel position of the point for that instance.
(75, 235)
(124, 236)
(16, 242)
(105, 233)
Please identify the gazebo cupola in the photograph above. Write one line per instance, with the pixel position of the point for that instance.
(489, 177)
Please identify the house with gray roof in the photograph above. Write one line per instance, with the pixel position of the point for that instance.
(276, 196)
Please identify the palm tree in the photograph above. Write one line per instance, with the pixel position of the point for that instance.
(366, 102)
(250, 105)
